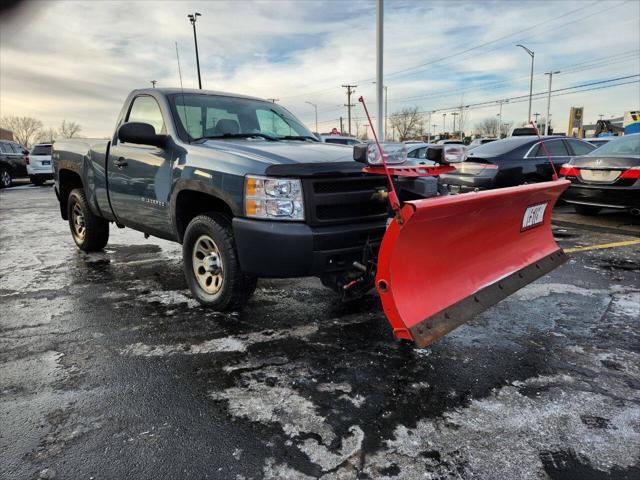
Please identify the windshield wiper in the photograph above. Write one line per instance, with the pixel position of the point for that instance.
(237, 135)
(298, 137)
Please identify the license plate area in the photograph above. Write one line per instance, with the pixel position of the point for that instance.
(599, 175)
(46, 162)
(533, 216)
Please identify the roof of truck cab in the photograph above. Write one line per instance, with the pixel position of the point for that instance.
(172, 91)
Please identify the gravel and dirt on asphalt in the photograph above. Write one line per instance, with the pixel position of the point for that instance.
(109, 369)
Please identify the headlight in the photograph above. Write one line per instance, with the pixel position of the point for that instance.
(273, 198)
(394, 153)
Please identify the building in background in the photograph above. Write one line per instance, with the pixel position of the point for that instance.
(6, 134)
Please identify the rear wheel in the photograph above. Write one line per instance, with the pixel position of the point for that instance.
(587, 209)
(90, 232)
(5, 178)
(211, 264)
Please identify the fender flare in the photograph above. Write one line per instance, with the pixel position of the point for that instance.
(199, 186)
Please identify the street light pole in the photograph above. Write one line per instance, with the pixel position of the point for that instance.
(316, 109)
(429, 125)
(193, 18)
(379, 69)
(455, 114)
(444, 123)
(532, 54)
(546, 128)
(153, 82)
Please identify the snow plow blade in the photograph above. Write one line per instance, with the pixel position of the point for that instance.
(455, 256)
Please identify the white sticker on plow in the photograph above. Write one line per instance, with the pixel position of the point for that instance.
(533, 216)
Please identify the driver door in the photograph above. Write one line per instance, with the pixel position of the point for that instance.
(140, 175)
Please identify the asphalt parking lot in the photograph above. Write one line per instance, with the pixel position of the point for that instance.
(108, 369)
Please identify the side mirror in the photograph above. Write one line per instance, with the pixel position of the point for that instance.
(140, 133)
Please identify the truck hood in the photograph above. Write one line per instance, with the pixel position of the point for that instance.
(284, 151)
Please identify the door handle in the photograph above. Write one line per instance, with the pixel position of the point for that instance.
(120, 162)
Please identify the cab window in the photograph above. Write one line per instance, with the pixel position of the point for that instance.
(145, 109)
(580, 148)
(556, 148)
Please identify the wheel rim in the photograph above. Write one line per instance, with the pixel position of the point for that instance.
(77, 222)
(207, 265)
(6, 178)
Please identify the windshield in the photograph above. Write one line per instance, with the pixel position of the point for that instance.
(214, 116)
(623, 146)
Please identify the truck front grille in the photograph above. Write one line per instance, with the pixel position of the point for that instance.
(336, 200)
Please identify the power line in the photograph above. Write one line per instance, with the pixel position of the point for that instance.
(524, 98)
(471, 48)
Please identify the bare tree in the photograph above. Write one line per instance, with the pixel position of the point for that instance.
(69, 129)
(25, 129)
(489, 127)
(48, 135)
(408, 122)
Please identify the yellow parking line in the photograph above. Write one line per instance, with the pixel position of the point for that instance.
(602, 246)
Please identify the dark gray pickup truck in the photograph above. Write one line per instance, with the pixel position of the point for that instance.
(239, 181)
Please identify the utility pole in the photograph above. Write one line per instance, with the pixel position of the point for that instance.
(532, 54)
(500, 117)
(273, 100)
(193, 18)
(350, 90)
(379, 70)
(444, 124)
(536, 115)
(153, 82)
(434, 129)
(316, 109)
(341, 126)
(429, 125)
(455, 114)
(546, 128)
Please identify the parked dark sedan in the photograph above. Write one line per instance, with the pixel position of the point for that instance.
(512, 161)
(608, 177)
(13, 162)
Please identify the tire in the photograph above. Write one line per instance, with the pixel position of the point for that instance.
(37, 181)
(90, 232)
(211, 265)
(587, 209)
(5, 178)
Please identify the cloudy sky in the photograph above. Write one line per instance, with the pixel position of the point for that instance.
(78, 60)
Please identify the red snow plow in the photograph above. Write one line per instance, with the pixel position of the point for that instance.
(449, 258)
(445, 259)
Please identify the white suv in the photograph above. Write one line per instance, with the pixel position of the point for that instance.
(39, 165)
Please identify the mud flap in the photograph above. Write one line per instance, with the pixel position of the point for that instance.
(455, 256)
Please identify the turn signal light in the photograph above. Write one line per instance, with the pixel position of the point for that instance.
(633, 172)
(568, 170)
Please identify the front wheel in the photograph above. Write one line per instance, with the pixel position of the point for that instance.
(90, 232)
(5, 178)
(211, 264)
(587, 209)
